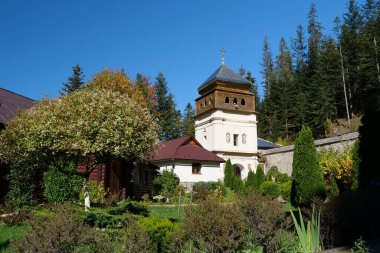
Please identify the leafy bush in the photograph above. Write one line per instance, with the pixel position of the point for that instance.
(270, 188)
(102, 219)
(201, 191)
(59, 186)
(160, 231)
(22, 187)
(60, 233)
(219, 186)
(228, 174)
(265, 217)
(259, 177)
(282, 178)
(285, 190)
(287, 242)
(307, 173)
(272, 173)
(166, 184)
(97, 193)
(129, 206)
(137, 240)
(333, 189)
(211, 227)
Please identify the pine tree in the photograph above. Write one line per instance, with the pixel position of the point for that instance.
(307, 173)
(148, 91)
(188, 121)
(75, 82)
(228, 174)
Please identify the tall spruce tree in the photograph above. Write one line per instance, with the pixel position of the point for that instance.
(169, 117)
(228, 174)
(188, 121)
(307, 173)
(75, 82)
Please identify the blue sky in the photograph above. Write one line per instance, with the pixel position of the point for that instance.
(41, 40)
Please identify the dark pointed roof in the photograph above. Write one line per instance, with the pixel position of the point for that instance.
(184, 148)
(10, 102)
(264, 144)
(224, 73)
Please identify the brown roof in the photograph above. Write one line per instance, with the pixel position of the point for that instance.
(10, 103)
(184, 148)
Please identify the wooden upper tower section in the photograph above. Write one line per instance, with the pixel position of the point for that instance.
(225, 90)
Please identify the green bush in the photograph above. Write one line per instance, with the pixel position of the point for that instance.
(219, 186)
(270, 188)
(307, 174)
(61, 233)
(201, 191)
(59, 186)
(137, 240)
(166, 184)
(102, 219)
(259, 177)
(250, 182)
(237, 185)
(22, 186)
(333, 189)
(97, 193)
(282, 178)
(272, 173)
(228, 174)
(160, 231)
(285, 190)
(287, 242)
(211, 227)
(133, 207)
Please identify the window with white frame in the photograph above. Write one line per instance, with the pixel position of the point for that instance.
(244, 138)
(228, 137)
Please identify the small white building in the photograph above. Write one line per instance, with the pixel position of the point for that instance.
(188, 160)
(225, 119)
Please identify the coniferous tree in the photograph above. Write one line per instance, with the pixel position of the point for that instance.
(250, 182)
(259, 177)
(188, 121)
(228, 174)
(169, 116)
(307, 173)
(75, 82)
(148, 91)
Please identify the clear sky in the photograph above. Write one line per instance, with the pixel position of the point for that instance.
(41, 40)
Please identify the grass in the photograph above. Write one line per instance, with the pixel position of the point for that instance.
(170, 212)
(8, 234)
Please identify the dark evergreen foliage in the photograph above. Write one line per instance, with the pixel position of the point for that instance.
(259, 177)
(188, 121)
(228, 174)
(307, 173)
(355, 166)
(75, 82)
(250, 181)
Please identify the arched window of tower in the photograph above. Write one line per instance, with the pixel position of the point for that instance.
(235, 101)
(244, 139)
(209, 102)
(242, 102)
(228, 137)
(227, 100)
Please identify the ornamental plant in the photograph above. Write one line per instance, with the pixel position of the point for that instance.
(87, 127)
(259, 177)
(307, 173)
(228, 174)
(250, 182)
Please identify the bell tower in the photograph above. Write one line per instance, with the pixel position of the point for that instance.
(225, 119)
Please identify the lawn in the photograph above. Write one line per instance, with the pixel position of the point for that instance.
(9, 233)
(171, 212)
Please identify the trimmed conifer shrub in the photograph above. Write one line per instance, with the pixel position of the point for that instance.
(270, 188)
(272, 173)
(355, 166)
(333, 190)
(237, 184)
(307, 173)
(228, 174)
(250, 182)
(259, 177)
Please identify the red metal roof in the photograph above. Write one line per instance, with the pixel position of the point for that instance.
(10, 103)
(184, 148)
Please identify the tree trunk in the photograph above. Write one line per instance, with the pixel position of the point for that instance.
(87, 205)
(377, 59)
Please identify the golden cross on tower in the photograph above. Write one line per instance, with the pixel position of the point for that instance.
(223, 51)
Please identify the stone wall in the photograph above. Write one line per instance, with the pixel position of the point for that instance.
(282, 157)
